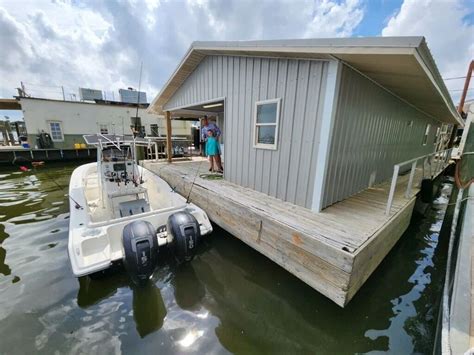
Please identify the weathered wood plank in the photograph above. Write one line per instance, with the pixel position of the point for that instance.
(238, 214)
(371, 254)
(334, 251)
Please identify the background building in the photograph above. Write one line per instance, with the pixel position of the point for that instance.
(68, 121)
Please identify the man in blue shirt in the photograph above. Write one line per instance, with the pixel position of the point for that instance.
(205, 127)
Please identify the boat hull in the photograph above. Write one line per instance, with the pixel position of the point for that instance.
(94, 245)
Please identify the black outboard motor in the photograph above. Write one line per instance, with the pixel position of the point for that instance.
(185, 231)
(140, 251)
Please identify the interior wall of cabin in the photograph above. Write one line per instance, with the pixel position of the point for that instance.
(373, 131)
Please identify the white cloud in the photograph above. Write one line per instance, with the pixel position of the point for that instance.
(101, 44)
(449, 36)
(56, 45)
(332, 19)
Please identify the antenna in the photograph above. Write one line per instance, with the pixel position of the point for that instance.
(136, 116)
(138, 100)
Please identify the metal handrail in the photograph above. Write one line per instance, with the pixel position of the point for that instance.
(443, 158)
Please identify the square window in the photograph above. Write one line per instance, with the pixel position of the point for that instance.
(266, 134)
(266, 113)
(266, 124)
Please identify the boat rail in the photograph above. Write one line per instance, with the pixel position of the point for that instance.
(435, 167)
(180, 148)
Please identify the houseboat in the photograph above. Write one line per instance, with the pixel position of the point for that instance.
(326, 143)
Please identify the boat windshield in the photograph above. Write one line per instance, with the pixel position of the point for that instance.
(114, 154)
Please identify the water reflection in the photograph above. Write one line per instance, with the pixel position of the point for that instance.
(189, 291)
(4, 268)
(149, 310)
(228, 299)
(93, 291)
(414, 308)
(261, 307)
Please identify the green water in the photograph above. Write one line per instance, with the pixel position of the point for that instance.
(229, 299)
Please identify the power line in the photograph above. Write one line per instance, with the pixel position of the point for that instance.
(461, 89)
(456, 77)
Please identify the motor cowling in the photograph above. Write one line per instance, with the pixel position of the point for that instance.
(185, 233)
(140, 251)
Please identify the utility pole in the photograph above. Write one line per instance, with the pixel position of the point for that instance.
(466, 86)
(461, 102)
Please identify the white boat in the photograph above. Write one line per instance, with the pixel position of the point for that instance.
(122, 212)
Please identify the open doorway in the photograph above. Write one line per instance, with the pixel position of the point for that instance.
(214, 111)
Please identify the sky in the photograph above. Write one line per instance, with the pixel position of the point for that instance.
(98, 44)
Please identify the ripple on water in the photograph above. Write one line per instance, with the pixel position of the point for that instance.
(401, 327)
(229, 299)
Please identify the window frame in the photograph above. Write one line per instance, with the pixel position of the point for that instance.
(426, 134)
(152, 126)
(444, 128)
(257, 145)
(103, 127)
(51, 131)
(437, 136)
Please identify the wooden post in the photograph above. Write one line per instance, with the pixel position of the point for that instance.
(169, 148)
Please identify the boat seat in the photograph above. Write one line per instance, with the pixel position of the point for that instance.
(128, 191)
(130, 208)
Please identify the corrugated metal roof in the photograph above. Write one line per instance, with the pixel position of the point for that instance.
(403, 65)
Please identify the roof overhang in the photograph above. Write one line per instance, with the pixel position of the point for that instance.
(402, 65)
(9, 104)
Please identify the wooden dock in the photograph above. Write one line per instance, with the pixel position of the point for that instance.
(334, 251)
(19, 155)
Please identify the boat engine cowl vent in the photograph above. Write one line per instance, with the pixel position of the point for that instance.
(140, 250)
(185, 233)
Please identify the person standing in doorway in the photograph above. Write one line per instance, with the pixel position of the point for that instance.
(212, 149)
(216, 133)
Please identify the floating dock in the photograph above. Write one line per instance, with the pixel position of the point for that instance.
(333, 251)
(18, 155)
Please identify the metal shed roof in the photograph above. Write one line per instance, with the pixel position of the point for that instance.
(402, 65)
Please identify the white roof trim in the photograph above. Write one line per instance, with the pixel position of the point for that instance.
(347, 48)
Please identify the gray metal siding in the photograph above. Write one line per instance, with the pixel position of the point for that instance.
(287, 173)
(371, 133)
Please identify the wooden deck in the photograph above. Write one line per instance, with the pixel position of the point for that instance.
(334, 251)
